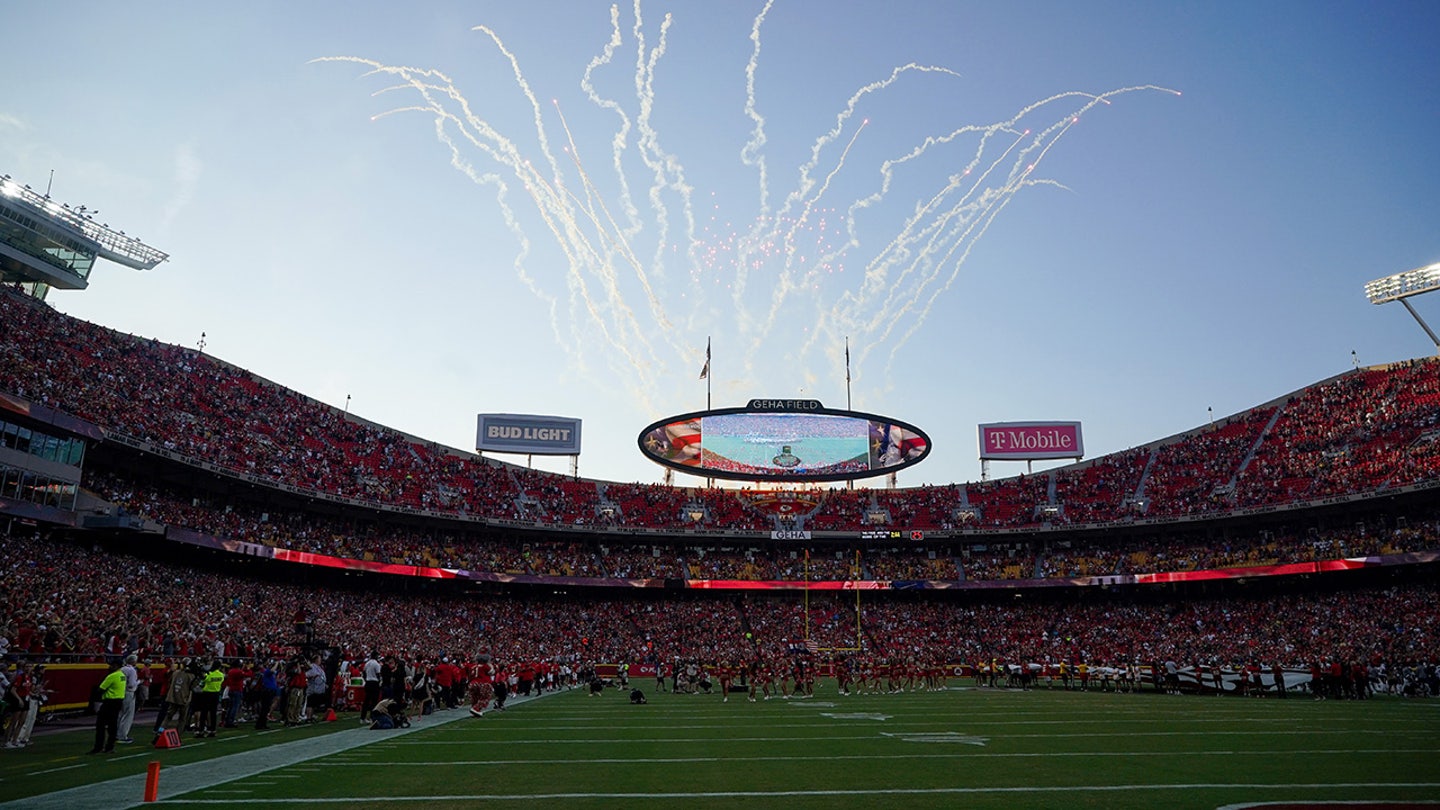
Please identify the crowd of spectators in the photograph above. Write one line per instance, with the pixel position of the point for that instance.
(1361, 432)
(59, 601)
(1099, 491)
(439, 544)
(1396, 625)
(1356, 433)
(1188, 477)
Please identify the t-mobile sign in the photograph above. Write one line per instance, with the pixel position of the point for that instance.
(1025, 441)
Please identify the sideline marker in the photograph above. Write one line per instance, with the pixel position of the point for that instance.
(152, 781)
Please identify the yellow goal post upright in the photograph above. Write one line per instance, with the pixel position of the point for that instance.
(855, 573)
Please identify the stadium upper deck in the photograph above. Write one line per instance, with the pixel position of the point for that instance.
(1367, 432)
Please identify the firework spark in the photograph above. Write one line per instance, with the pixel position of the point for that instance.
(642, 278)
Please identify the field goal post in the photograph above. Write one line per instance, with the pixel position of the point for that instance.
(809, 644)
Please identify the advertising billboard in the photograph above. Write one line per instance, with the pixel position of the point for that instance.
(1028, 441)
(528, 434)
(784, 440)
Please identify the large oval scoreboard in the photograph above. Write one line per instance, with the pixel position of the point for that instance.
(784, 440)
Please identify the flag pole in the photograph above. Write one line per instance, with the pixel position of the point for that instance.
(705, 375)
(807, 594)
(849, 484)
(857, 575)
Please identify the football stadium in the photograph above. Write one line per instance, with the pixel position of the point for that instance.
(220, 590)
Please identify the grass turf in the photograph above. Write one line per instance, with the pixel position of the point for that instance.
(979, 748)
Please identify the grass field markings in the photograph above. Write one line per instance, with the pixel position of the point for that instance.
(1086, 734)
(54, 760)
(857, 716)
(936, 737)
(717, 720)
(203, 776)
(893, 791)
(1297, 732)
(901, 708)
(738, 722)
(951, 721)
(959, 754)
(56, 770)
(1328, 803)
(133, 756)
(631, 740)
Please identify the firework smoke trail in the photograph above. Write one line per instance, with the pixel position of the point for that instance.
(786, 283)
(618, 146)
(898, 249)
(948, 237)
(599, 263)
(598, 233)
(620, 140)
(971, 236)
(626, 323)
(620, 244)
(876, 276)
(668, 172)
(921, 233)
(927, 229)
(750, 153)
(485, 139)
(553, 203)
(805, 183)
(877, 273)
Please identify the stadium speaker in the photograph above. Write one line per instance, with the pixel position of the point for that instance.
(169, 738)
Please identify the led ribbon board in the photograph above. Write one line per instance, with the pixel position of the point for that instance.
(784, 440)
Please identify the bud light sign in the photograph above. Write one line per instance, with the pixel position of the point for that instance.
(1026, 441)
(523, 433)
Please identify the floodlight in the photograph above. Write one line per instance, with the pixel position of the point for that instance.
(1404, 285)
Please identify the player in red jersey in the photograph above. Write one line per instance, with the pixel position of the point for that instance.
(482, 687)
(842, 675)
(724, 674)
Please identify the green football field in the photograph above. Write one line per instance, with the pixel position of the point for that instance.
(973, 748)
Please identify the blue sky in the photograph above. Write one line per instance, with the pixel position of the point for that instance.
(1157, 256)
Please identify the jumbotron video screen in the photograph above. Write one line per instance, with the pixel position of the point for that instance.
(784, 440)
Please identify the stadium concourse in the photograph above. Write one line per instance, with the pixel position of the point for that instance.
(1293, 544)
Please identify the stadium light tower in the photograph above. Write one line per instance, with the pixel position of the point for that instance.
(1402, 286)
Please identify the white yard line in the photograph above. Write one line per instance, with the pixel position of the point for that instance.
(178, 780)
(959, 754)
(764, 794)
(712, 741)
